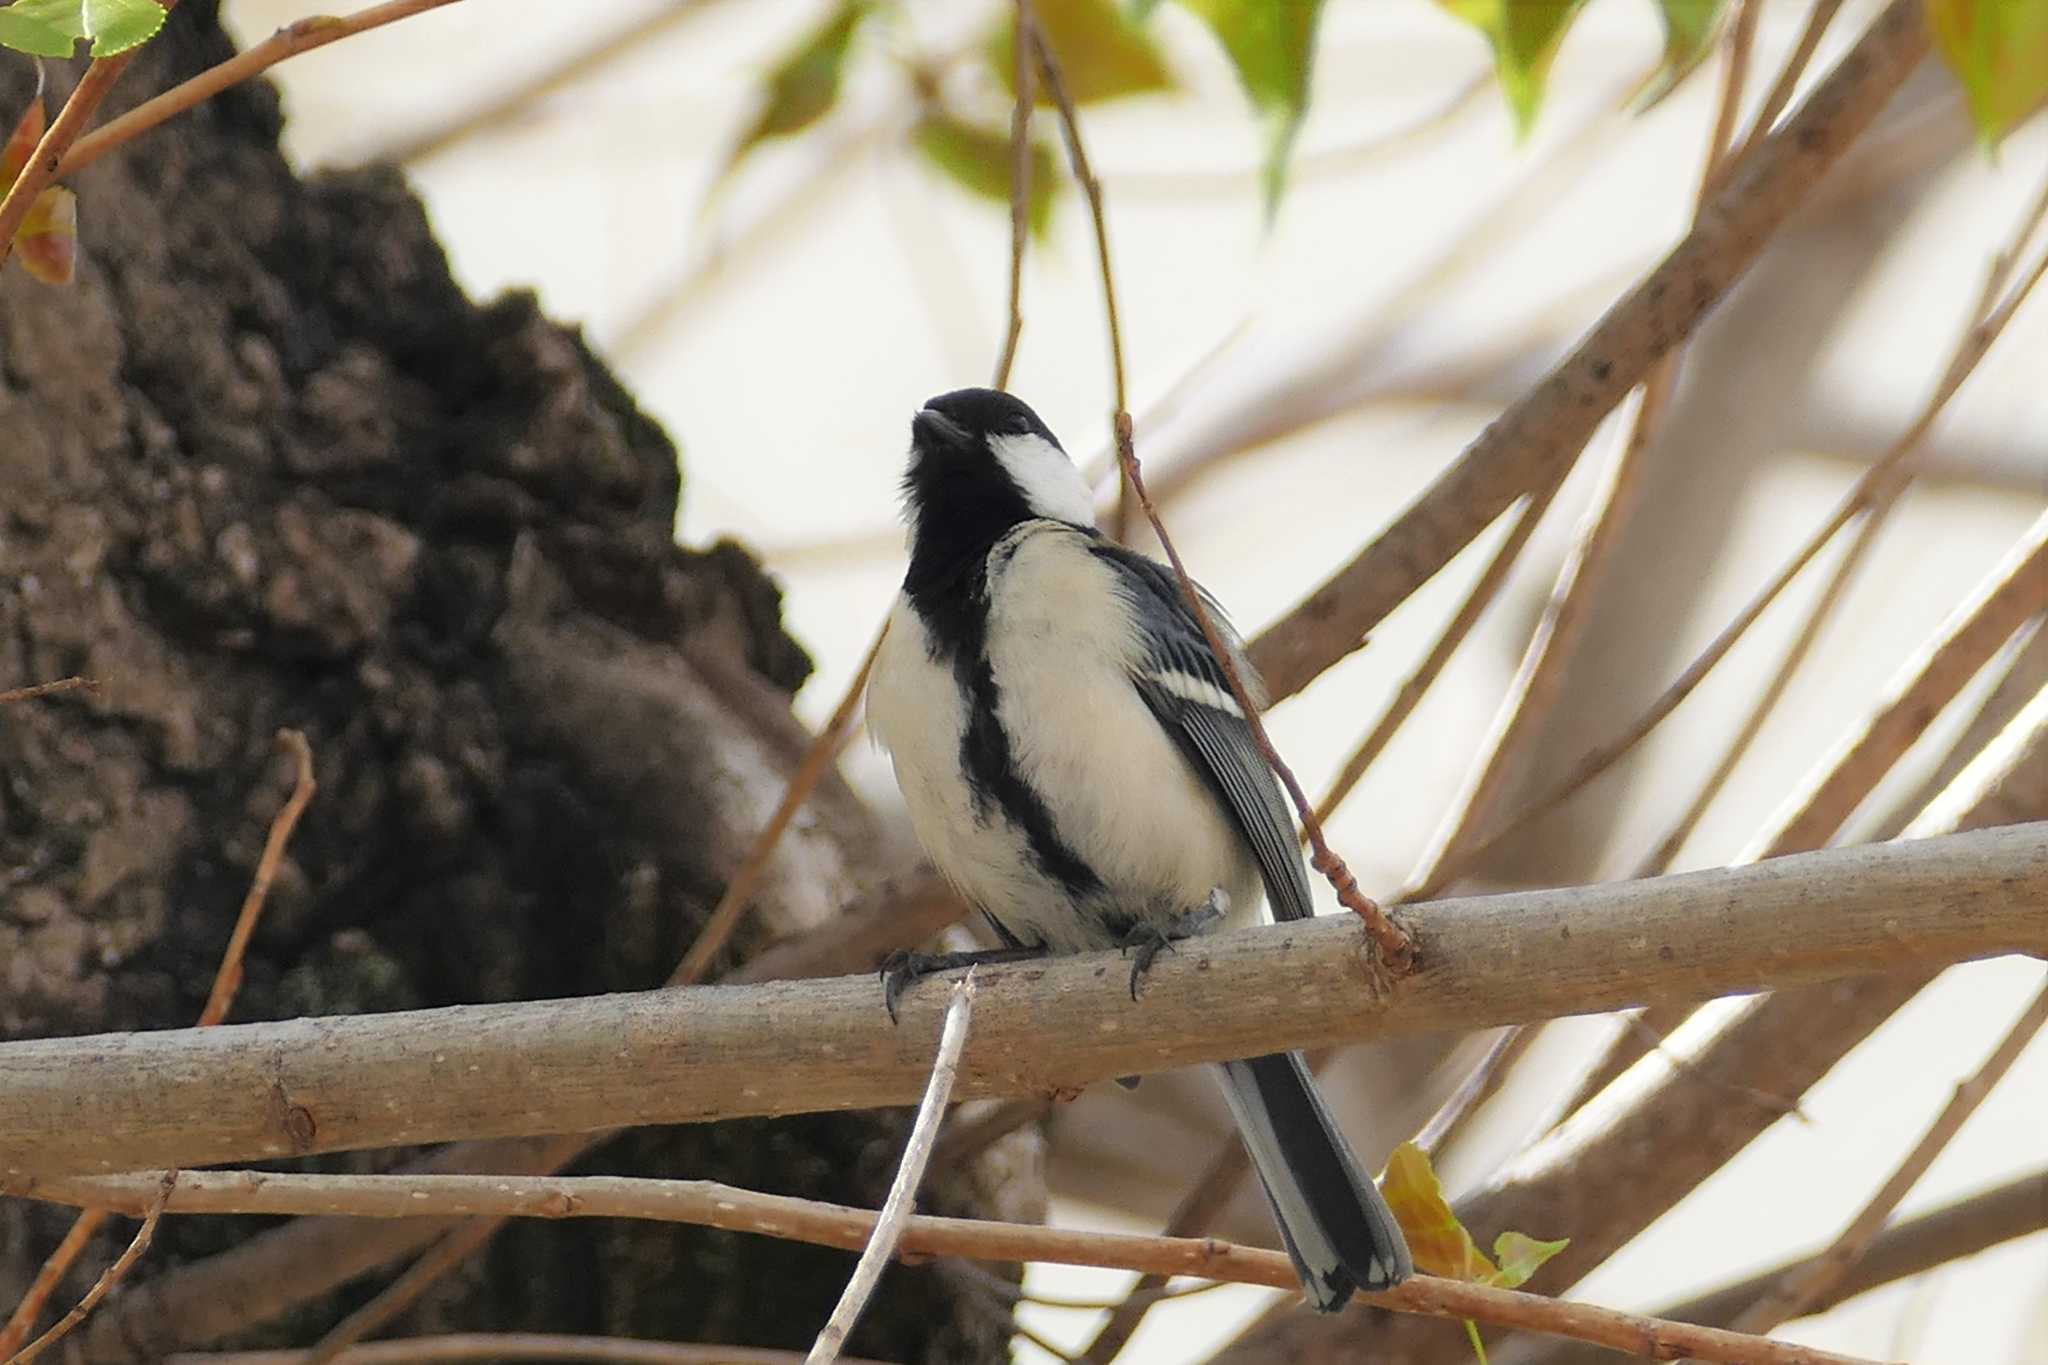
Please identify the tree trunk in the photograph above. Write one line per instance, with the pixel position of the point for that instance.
(264, 465)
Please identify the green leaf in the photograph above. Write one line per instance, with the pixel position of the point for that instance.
(1690, 27)
(1998, 49)
(24, 30)
(978, 160)
(56, 26)
(1520, 1257)
(66, 16)
(115, 26)
(1525, 35)
(1102, 55)
(804, 85)
(1272, 44)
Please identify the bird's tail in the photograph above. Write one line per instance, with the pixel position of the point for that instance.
(1340, 1233)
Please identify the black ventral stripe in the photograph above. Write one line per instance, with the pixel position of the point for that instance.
(955, 616)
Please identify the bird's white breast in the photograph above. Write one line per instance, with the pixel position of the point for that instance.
(1062, 648)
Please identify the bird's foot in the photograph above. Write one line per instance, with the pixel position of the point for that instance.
(903, 969)
(1148, 939)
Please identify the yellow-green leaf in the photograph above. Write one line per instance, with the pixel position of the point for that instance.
(1520, 1257)
(1525, 35)
(47, 244)
(804, 85)
(34, 35)
(1690, 27)
(1998, 49)
(1437, 1240)
(978, 160)
(1272, 44)
(1102, 55)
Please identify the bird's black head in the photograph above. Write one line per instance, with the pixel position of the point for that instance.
(981, 462)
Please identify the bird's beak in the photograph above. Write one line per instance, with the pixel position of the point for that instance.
(933, 428)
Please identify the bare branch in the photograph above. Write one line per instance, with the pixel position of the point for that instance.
(1481, 1084)
(818, 759)
(633, 35)
(1657, 1132)
(227, 979)
(199, 1096)
(1418, 683)
(73, 684)
(895, 1215)
(1020, 184)
(1546, 429)
(723, 1206)
(109, 1277)
(301, 35)
(497, 1346)
(43, 163)
(1798, 1292)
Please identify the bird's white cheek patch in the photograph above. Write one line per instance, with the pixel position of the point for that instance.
(1046, 477)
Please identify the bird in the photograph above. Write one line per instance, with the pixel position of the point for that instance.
(1075, 763)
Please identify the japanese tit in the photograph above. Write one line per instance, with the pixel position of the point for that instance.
(1074, 763)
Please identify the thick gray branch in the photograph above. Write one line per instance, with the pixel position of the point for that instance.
(190, 1097)
(1542, 433)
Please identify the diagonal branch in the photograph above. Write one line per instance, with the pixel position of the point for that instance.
(1546, 429)
(1799, 1291)
(1658, 1132)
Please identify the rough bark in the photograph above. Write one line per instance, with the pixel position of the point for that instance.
(265, 465)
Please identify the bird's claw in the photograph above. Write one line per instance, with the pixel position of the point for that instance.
(1148, 940)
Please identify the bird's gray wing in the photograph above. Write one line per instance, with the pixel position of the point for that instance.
(1186, 690)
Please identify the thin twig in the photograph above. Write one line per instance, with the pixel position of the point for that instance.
(1540, 677)
(708, 1204)
(109, 1277)
(42, 167)
(1868, 523)
(896, 1209)
(301, 35)
(1549, 425)
(634, 35)
(1396, 949)
(51, 1274)
(1871, 488)
(462, 1242)
(227, 979)
(1198, 1208)
(1091, 190)
(1797, 1292)
(73, 684)
(1481, 1084)
(1418, 683)
(1902, 1250)
(810, 771)
(1020, 184)
(550, 1347)
(1817, 22)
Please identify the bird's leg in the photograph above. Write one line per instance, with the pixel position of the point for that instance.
(1148, 938)
(903, 969)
